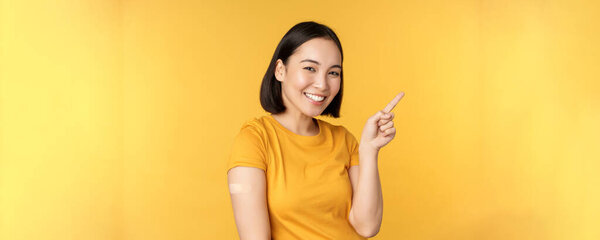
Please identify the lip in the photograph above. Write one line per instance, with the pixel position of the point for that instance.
(313, 101)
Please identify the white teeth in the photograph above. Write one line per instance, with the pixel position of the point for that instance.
(313, 97)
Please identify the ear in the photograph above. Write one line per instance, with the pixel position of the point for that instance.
(279, 70)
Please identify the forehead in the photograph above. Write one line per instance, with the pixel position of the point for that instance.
(320, 49)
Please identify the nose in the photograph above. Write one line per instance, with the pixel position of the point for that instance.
(321, 82)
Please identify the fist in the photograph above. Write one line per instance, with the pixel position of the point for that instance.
(379, 129)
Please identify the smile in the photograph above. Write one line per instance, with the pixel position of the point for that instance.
(317, 100)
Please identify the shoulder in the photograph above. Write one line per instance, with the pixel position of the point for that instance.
(249, 146)
(251, 136)
(331, 126)
(254, 124)
(339, 130)
(342, 134)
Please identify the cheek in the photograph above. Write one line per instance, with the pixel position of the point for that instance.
(335, 86)
(304, 76)
(301, 81)
(294, 85)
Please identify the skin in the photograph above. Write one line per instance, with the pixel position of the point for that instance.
(322, 78)
(366, 212)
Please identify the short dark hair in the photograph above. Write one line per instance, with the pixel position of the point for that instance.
(270, 89)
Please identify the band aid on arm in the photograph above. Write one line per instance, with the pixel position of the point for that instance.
(236, 188)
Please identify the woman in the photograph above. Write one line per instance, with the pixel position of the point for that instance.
(292, 176)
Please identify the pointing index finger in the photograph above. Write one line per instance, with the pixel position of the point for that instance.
(393, 103)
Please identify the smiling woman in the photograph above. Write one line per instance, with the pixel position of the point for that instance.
(304, 190)
(311, 185)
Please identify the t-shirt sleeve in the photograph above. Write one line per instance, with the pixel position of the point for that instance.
(248, 149)
(353, 147)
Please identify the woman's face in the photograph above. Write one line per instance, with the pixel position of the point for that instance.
(311, 78)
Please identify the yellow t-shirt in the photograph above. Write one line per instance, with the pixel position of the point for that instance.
(309, 193)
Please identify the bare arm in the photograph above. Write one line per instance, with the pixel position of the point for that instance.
(367, 200)
(247, 187)
(366, 212)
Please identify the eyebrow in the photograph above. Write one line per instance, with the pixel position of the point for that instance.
(315, 62)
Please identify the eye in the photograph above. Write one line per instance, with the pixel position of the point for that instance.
(335, 73)
(309, 68)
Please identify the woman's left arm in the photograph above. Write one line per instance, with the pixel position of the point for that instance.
(367, 202)
(366, 212)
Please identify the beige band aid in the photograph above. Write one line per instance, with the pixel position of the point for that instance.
(235, 188)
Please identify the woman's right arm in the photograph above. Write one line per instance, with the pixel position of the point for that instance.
(248, 191)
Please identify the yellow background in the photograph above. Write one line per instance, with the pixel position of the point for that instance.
(116, 117)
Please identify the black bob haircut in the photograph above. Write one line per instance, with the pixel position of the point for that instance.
(270, 89)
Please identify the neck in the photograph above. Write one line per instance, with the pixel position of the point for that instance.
(298, 123)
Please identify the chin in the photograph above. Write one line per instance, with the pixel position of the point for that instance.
(312, 113)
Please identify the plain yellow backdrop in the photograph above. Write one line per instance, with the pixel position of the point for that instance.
(116, 117)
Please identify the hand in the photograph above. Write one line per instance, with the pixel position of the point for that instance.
(379, 129)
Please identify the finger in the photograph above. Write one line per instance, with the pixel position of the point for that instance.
(387, 126)
(387, 115)
(389, 132)
(384, 120)
(393, 103)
